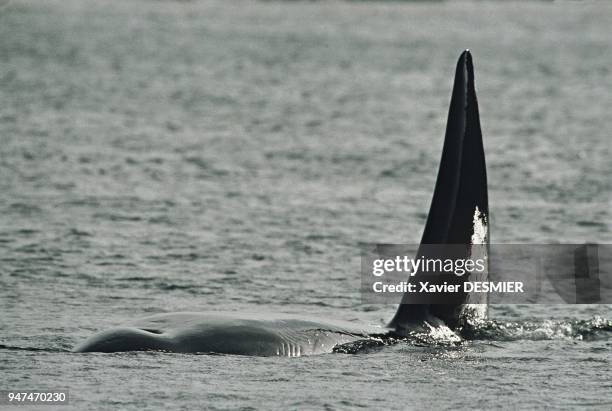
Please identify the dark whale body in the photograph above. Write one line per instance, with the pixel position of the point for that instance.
(228, 333)
(459, 214)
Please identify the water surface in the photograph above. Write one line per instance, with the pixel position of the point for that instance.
(160, 156)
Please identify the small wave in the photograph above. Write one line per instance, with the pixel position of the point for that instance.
(16, 348)
(363, 346)
(118, 217)
(162, 285)
(24, 208)
(79, 233)
(593, 329)
(584, 223)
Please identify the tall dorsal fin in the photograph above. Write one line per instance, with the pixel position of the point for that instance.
(459, 209)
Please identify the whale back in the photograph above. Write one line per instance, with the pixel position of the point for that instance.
(227, 333)
(459, 212)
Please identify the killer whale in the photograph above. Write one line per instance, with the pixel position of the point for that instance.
(458, 214)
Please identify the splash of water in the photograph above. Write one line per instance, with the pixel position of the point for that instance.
(597, 328)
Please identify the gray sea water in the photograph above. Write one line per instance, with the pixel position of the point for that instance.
(160, 156)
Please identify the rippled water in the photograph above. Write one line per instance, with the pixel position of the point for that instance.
(161, 156)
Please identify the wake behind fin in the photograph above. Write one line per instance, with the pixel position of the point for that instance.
(459, 212)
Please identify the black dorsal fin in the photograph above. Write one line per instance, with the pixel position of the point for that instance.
(460, 195)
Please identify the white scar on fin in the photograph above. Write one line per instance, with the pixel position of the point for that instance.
(474, 313)
(479, 228)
